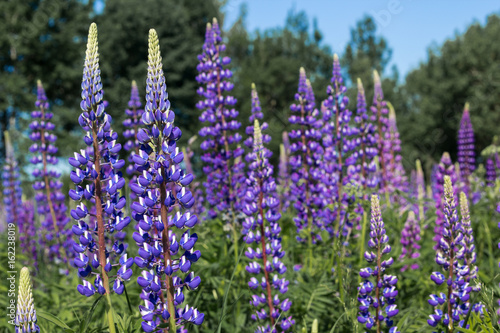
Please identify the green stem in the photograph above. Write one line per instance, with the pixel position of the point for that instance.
(236, 239)
(109, 314)
(362, 242)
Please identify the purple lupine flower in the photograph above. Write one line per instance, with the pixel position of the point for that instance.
(97, 193)
(380, 294)
(451, 307)
(51, 208)
(410, 238)
(368, 143)
(164, 222)
(222, 163)
(379, 117)
(470, 248)
(132, 123)
(28, 237)
(466, 154)
(261, 232)
(491, 173)
(444, 168)
(305, 163)
(12, 192)
(199, 197)
(341, 168)
(396, 180)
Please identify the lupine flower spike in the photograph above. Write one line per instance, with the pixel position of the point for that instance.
(162, 209)
(51, 206)
(222, 165)
(379, 117)
(466, 154)
(378, 297)
(410, 238)
(451, 306)
(262, 233)
(491, 173)
(444, 168)
(305, 163)
(26, 313)
(12, 192)
(420, 190)
(98, 214)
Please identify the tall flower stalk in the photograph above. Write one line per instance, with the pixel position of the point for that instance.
(162, 208)
(12, 192)
(27, 233)
(444, 168)
(132, 123)
(222, 154)
(50, 200)
(261, 232)
(222, 165)
(378, 296)
(491, 173)
(410, 239)
(379, 118)
(26, 313)
(466, 154)
(305, 163)
(456, 256)
(98, 214)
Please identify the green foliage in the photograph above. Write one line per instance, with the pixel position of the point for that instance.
(464, 69)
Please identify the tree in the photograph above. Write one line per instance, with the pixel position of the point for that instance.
(465, 69)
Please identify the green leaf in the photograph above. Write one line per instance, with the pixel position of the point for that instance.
(85, 324)
(54, 320)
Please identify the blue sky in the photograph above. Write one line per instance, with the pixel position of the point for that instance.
(410, 26)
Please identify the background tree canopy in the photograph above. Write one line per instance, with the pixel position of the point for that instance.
(46, 40)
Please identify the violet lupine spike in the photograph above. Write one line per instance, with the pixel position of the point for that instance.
(222, 165)
(12, 192)
(466, 154)
(451, 306)
(379, 118)
(444, 168)
(28, 236)
(410, 238)
(166, 244)
(378, 297)
(261, 232)
(491, 173)
(51, 208)
(470, 248)
(397, 181)
(341, 153)
(368, 142)
(305, 164)
(98, 184)
(132, 123)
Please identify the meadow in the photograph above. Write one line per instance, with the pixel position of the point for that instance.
(337, 237)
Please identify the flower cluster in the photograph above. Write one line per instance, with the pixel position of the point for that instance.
(163, 200)
(444, 168)
(199, 198)
(262, 233)
(12, 192)
(466, 154)
(368, 143)
(379, 118)
(306, 163)
(26, 313)
(396, 179)
(380, 295)
(410, 238)
(132, 123)
(491, 173)
(49, 198)
(284, 174)
(98, 213)
(222, 163)
(28, 237)
(456, 256)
